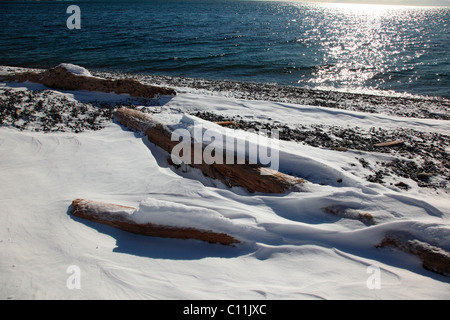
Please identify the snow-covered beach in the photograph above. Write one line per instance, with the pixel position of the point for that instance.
(299, 245)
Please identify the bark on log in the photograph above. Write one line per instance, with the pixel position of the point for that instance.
(60, 78)
(119, 216)
(226, 123)
(252, 177)
(433, 258)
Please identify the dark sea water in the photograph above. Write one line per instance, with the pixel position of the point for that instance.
(347, 47)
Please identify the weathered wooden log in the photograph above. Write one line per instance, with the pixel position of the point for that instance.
(226, 123)
(389, 143)
(60, 78)
(433, 258)
(120, 217)
(252, 177)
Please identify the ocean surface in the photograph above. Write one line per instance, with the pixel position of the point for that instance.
(356, 48)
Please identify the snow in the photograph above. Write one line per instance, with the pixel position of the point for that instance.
(169, 213)
(291, 248)
(75, 69)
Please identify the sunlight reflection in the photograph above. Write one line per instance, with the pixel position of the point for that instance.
(358, 42)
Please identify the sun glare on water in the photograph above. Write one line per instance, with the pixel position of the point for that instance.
(359, 42)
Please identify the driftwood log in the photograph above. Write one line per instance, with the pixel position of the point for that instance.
(433, 258)
(119, 216)
(61, 79)
(248, 176)
(389, 143)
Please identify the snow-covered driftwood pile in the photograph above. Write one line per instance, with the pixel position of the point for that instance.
(245, 175)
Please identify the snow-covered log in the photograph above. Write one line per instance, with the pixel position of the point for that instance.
(433, 258)
(121, 217)
(252, 177)
(72, 77)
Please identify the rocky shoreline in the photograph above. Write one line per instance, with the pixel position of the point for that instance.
(45, 111)
(420, 156)
(401, 105)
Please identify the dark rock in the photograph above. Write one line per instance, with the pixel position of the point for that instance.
(402, 185)
(424, 176)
